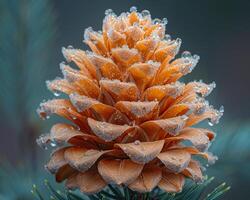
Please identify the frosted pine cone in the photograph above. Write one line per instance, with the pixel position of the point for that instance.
(130, 116)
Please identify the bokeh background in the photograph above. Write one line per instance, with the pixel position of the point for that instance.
(32, 33)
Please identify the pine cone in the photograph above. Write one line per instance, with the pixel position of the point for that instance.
(131, 118)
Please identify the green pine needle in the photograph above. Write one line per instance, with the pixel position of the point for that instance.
(190, 192)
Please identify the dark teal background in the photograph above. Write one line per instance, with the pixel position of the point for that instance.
(218, 31)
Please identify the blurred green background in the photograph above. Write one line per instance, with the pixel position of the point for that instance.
(32, 33)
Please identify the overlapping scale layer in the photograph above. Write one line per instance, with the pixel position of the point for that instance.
(130, 116)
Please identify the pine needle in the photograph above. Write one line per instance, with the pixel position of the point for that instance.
(190, 192)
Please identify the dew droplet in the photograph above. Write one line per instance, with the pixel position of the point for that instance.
(133, 9)
(70, 47)
(42, 141)
(186, 54)
(57, 94)
(212, 159)
(155, 36)
(135, 24)
(210, 123)
(87, 33)
(213, 85)
(156, 21)
(109, 12)
(68, 53)
(53, 143)
(178, 42)
(221, 110)
(137, 142)
(196, 57)
(167, 37)
(203, 168)
(200, 180)
(145, 13)
(210, 88)
(164, 21)
(184, 117)
(217, 114)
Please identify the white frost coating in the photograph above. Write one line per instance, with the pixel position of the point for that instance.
(173, 89)
(44, 108)
(175, 160)
(98, 60)
(154, 64)
(49, 83)
(216, 115)
(116, 85)
(203, 88)
(189, 62)
(198, 106)
(199, 110)
(69, 73)
(87, 33)
(82, 103)
(107, 131)
(69, 53)
(50, 107)
(141, 109)
(178, 89)
(62, 66)
(173, 46)
(144, 152)
(211, 158)
(135, 32)
(125, 48)
(201, 144)
(84, 160)
(141, 159)
(177, 43)
(114, 36)
(171, 125)
(42, 141)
